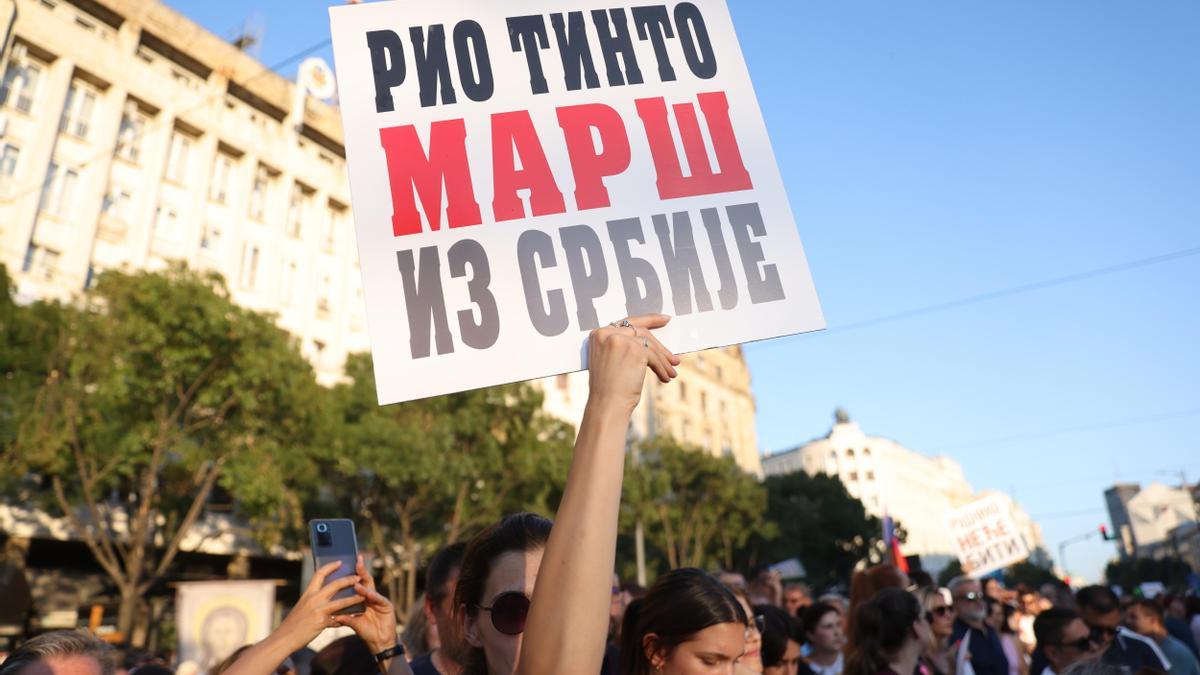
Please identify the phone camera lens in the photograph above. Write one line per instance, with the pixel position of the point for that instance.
(322, 527)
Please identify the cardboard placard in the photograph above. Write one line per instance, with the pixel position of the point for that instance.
(523, 172)
(986, 535)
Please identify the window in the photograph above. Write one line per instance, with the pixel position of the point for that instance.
(178, 157)
(720, 373)
(8, 163)
(323, 294)
(118, 205)
(685, 430)
(19, 88)
(77, 111)
(333, 224)
(210, 237)
(298, 207)
(703, 401)
(682, 391)
(249, 267)
(726, 447)
(850, 452)
(129, 138)
(260, 192)
(166, 223)
(853, 475)
(287, 287)
(866, 452)
(870, 475)
(218, 190)
(58, 190)
(40, 261)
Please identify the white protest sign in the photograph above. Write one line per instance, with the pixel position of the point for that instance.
(986, 535)
(523, 172)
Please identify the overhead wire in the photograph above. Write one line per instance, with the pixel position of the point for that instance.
(993, 295)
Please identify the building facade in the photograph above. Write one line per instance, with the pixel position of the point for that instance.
(130, 138)
(710, 405)
(1155, 521)
(889, 479)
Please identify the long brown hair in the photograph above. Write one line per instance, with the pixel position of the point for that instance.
(881, 627)
(680, 604)
(517, 533)
(865, 584)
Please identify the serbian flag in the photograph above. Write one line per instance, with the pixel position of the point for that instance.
(893, 544)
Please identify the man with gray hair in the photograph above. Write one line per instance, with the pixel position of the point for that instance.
(62, 652)
(983, 642)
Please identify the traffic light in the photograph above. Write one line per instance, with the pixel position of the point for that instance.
(1105, 535)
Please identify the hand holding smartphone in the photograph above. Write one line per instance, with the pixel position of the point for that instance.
(334, 540)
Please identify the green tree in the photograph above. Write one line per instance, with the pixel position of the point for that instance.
(952, 569)
(697, 509)
(1129, 574)
(421, 474)
(156, 386)
(1028, 574)
(820, 523)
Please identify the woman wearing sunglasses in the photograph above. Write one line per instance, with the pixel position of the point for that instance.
(558, 625)
(939, 612)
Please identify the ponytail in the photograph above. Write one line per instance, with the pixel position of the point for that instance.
(865, 653)
(881, 628)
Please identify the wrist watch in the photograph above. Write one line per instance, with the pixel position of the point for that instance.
(390, 652)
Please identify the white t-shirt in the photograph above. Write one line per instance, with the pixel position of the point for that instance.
(834, 668)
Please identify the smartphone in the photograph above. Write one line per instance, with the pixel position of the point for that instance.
(333, 539)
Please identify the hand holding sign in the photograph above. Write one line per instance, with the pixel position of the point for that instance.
(523, 173)
(618, 355)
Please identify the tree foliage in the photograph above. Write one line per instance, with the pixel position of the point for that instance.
(149, 390)
(425, 473)
(1128, 574)
(696, 508)
(818, 522)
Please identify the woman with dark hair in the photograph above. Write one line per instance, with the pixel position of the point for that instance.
(491, 598)
(890, 631)
(687, 623)
(780, 642)
(567, 617)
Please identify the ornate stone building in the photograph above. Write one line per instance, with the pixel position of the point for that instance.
(709, 405)
(130, 136)
(916, 489)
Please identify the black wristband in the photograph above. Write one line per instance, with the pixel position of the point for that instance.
(390, 652)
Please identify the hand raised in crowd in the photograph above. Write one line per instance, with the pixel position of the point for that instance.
(618, 355)
(316, 608)
(312, 614)
(377, 624)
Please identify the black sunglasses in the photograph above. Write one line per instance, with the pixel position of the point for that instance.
(1082, 644)
(1101, 633)
(938, 612)
(509, 610)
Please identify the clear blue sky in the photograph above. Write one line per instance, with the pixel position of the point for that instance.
(939, 150)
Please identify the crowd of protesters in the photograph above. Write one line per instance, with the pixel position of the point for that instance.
(529, 596)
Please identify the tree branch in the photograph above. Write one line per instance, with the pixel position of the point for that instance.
(110, 566)
(186, 524)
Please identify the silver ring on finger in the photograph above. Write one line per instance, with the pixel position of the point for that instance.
(646, 342)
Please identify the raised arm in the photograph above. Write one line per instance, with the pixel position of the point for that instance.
(569, 615)
(312, 614)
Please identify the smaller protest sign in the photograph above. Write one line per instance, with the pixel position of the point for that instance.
(986, 536)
